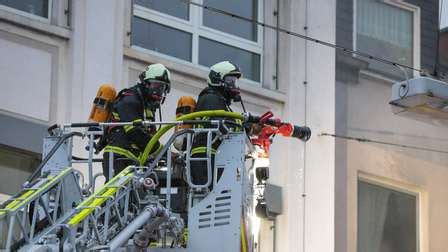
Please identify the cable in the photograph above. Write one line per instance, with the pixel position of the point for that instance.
(324, 43)
(242, 105)
(160, 116)
(365, 140)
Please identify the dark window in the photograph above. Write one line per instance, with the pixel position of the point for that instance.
(387, 219)
(35, 7)
(161, 38)
(228, 24)
(176, 8)
(386, 31)
(15, 167)
(211, 52)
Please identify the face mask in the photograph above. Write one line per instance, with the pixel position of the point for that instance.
(156, 90)
(231, 90)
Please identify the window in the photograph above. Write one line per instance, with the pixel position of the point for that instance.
(389, 30)
(387, 219)
(190, 33)
(37, 8)
(18, 165)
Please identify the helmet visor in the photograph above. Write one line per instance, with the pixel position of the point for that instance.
(230, 81)
(156, 88)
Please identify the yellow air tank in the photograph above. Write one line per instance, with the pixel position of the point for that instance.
(102, 104)
(185, 105)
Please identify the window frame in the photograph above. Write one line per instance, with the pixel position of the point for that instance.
(29, 15)
(195, 26)
(403, 188)
(415, 10)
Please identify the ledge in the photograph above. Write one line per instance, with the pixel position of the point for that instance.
(200, 72)
(34, 24)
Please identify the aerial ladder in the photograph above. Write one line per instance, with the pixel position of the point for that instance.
(153, 205)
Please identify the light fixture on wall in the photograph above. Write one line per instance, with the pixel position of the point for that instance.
(421, 98)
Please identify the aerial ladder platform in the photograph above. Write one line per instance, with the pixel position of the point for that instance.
(154, 204)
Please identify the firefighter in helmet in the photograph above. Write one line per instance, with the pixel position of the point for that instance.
(219, 95)
(135, 104)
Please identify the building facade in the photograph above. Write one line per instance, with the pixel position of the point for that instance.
(56, 53)
(388, 198)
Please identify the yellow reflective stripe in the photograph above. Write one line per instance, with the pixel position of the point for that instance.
(200, 126)
(149, 114)
(115, 115)
(121, 151)
(185, 241)
(100, 196)
(128, 128)
(240, 122)
(202, 149)
(28, 194)
(243, 236)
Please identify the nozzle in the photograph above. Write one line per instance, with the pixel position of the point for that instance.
(303, 133)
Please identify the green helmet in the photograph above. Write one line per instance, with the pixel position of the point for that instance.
(156, 72)
(155, 81)
(219, 71)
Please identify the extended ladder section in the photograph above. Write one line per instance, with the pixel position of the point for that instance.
(153, 204)
(44, 202)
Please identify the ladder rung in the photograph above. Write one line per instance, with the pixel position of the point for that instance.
(104, 197)
(89, 207)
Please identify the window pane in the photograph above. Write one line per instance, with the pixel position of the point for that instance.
(177, 8)
(387, 219)
(36, 7)
(386, 31)
(235, 26)
(211, 52)
(16, 166)
(161, 38)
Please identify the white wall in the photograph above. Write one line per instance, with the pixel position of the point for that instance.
(26, 72)
(306, 172)
(368, 115)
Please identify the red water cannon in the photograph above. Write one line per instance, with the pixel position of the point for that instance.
(265, 127)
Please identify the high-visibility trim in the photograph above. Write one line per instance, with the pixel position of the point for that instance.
(192, 116)
(149, 114)
(121, 151)
(202, 149)
(29, 194)
(243, 236)
(115, 115)
(101, 195)
(128, 128)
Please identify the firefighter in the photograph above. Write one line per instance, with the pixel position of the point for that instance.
(219, 95)
(135, 104)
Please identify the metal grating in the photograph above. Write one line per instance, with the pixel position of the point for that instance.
(218, 214)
